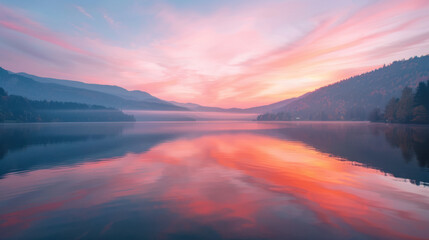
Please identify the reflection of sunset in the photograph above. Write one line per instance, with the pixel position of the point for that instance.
(238, 184)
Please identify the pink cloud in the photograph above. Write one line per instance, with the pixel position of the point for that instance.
(253, 55)
(268, 73)
(23, 25)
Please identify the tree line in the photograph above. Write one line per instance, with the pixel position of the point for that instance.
(20, 109)
(409, 108)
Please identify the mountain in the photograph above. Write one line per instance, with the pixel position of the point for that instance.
(130, 96)
(271, 107)
(109, 89)
(355, 97)
(70, 91)
(200, 108)
(259, 109)
(19, 109)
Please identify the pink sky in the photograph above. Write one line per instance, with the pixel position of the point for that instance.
(229, 55)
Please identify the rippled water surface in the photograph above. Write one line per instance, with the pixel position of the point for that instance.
(214, 180)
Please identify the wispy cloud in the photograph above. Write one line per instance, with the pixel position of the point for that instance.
(23, 25)
(110, 20)
(235, 57)
(83, 11)
(232, 57)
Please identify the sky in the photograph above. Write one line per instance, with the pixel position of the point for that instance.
(226, 53)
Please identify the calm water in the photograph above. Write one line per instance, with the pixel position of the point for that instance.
(218, 180)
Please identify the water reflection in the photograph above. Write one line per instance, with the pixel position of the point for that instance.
(216, 180)
(399, 150)
(413, 142)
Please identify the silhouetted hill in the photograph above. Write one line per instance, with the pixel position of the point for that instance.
(23, 86)
(271, 107)
(200, 108)
(354, 98)
(20, 109)
(258, 109)
(143, 96)
(109, 89)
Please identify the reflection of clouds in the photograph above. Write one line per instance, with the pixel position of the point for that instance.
(238, 185)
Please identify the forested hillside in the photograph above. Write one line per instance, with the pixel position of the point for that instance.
(354, 98)
(409, 108)
(20, 109)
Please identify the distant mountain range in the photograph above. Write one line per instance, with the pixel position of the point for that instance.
(259, 109)
(109, 89)
(51, 89)
(38, 88)
(355, 97)
(349, 99)
(200, 108)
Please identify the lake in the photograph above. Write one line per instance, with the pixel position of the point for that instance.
(214, 180)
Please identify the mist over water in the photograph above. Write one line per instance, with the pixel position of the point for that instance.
(214, 180)
(189, 116)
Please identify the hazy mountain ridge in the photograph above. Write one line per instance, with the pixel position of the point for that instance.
(272, 106)
(16, 84)
(353, 98)
(113, 96)
(110, 89)
(258, 109)
(200, 108)
(349, 99)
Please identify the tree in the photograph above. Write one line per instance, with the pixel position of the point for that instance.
(390, 111)
(375, 115)
(426, 98)
(420, 115)
(404, 113)
(2, 92)
(421, 94)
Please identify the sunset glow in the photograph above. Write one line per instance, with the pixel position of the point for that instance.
(239, 54)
